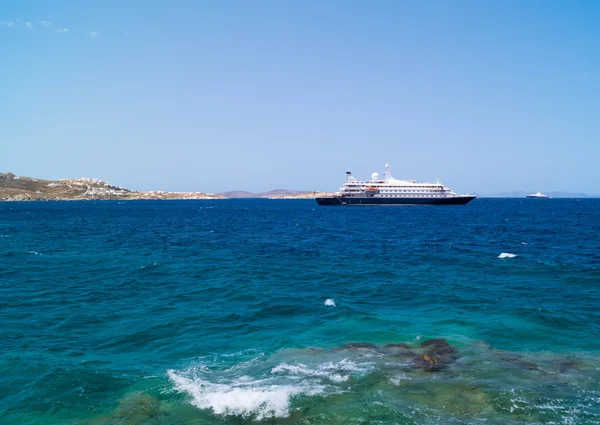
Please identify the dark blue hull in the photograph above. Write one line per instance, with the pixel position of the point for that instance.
(366, 201)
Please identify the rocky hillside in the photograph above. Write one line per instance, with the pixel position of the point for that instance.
(15, 188)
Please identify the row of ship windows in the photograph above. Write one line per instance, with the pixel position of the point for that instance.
(396, 190)
(421, 196)
(368, 184)
(391, 187)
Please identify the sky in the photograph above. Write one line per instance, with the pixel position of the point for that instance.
(488, 96)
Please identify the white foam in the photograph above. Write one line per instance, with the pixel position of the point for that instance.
(507, 255)
(303, 370)
(241, 398)
(34, 253)
(396, 380)
(334, 371)
(329, 302)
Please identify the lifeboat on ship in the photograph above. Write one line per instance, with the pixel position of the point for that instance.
(371, 191)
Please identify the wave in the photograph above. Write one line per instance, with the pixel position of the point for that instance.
(246, 398)
(256, 386)
(507, 255)
(329, 302)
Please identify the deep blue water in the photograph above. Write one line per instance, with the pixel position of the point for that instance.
(214, 312)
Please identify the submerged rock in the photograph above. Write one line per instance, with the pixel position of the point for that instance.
(438, 346)
(566, 365)
(509, 357)
(134, 409)
(138, 407)
(432, 355)
(427, 363)
(517, 359)
(528, 365)
(434, 342)
(358, 345)
(397, 345)
(438, 354)
(397, 349)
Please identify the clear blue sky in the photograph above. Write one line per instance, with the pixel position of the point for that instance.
(213, 96)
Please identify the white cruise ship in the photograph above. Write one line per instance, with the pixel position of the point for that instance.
(387, 190)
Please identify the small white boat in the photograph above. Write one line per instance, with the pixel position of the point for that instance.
(538, 195)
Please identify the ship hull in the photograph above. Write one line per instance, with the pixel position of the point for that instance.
(368, 201)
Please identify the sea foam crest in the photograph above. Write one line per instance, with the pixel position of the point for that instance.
(329, 302)
(303, 370)
(241, 398)
(507, 255)
(335, 371)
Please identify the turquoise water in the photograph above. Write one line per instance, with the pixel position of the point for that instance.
(251, 311)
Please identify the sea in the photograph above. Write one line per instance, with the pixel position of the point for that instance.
(265, 311)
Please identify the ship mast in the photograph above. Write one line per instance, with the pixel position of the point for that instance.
(388, 173)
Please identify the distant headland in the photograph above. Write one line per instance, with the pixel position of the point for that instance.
(16, 188)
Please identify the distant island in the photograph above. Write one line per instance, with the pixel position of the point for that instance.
(15, 188)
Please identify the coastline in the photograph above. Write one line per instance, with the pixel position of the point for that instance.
(143, 196)
(16, 188)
